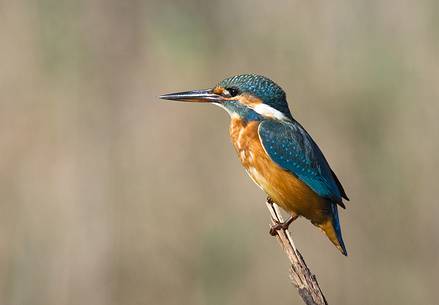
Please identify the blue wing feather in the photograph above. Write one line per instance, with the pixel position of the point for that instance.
(291, 147)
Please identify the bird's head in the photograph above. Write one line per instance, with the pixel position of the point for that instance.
(248, 96)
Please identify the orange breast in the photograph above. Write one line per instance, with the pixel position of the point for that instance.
(283, 187)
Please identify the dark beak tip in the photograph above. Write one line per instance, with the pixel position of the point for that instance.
(169, 97)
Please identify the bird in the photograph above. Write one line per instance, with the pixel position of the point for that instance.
(278, 154)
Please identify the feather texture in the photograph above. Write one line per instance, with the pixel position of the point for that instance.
(291, 147)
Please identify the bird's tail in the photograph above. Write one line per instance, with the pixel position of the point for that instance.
(332, 229)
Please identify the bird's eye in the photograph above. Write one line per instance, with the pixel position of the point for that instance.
(231, 92)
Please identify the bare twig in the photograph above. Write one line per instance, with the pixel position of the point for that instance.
(300, 275)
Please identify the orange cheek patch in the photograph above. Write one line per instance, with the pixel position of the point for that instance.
(244, 98)
(249, 100)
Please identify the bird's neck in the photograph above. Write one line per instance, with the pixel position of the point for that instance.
(237, 110)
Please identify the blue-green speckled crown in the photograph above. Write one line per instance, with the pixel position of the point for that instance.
(260, 86)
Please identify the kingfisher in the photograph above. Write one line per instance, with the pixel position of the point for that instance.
(278, 154)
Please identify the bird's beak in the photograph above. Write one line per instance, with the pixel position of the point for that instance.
(197, 96)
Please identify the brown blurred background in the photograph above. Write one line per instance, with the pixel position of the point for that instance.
(110, 196)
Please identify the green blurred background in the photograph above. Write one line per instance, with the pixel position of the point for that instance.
(111, 196)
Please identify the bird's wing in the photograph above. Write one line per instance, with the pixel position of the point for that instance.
(293, 149)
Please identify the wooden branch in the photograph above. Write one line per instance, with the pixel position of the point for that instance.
(300, 275)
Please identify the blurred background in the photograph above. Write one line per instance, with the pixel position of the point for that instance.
(111, 196)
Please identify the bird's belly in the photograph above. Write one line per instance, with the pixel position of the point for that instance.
(289, 192)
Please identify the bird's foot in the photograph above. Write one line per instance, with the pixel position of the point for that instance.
(281, 225)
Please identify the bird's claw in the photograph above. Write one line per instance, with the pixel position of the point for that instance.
(281, 225)
(278, 226)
